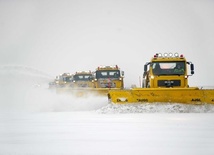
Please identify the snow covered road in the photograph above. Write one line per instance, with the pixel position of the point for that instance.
(92, 133)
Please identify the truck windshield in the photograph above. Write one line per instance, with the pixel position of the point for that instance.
(108, 74)
(168, 68)
(67, 79)
(82, 77)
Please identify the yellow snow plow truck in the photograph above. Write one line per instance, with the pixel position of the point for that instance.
(81, 82)
(108, 78)
(61, 81)
(165, 79)
(82, 79)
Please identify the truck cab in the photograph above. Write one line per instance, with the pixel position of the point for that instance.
(62, 80)
(109, 77)
(84, 79)
(167, 71)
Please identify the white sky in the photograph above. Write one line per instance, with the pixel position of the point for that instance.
(67, 36)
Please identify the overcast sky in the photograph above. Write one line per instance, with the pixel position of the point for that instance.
(73, 35)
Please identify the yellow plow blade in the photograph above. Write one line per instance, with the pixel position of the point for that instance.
(84, 92)
(168, 95)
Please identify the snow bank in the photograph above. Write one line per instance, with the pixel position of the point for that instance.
(156, 108)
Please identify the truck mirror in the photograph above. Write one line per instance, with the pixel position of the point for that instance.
(192, 72)
(192, 67)
(122, 72)
(145, 68)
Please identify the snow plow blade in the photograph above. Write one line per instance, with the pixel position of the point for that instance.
(84, 92)
(192, 95)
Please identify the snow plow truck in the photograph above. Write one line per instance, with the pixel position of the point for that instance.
(108, 78)
(165, 79)
(61, 81)
(82, 79)
(98, 82)
(80, 83)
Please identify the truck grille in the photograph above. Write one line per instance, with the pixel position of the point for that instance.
(106, 84)
(169, 83)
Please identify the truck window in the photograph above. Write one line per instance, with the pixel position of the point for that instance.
(108, 74)
(82, 77)
(168, 68)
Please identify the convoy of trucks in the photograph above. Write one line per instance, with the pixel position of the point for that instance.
(97, 82)
(165, 79)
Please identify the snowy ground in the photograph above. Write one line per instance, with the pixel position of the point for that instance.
(36, 121)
